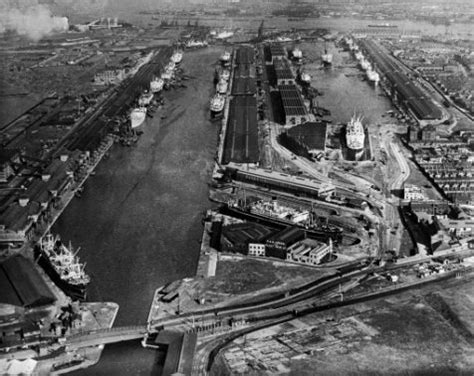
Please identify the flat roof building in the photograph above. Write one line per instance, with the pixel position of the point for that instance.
(241, 141)
(283, 73)
(308, 139)
(237, 237)
(22, 285)
(294, 109)
(277, 245)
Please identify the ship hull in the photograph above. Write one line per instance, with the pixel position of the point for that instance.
(76, 292)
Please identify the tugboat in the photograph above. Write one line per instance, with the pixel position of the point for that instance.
(137, 116)
(62, 265)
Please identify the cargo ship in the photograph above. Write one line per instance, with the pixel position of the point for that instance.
(355, 135)
(63, 267)
(156, 85)
(217, 104)
(373, 76)
(137, 116)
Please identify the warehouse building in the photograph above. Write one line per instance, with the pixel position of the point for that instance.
(241, 141)
(294, 109)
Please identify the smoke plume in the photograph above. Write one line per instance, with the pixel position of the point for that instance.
(31, 19)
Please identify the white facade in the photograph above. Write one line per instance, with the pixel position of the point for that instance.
(256, 249)
(308, 251)
(413, 193)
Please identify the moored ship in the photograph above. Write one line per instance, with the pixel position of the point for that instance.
(137, 116)
(217, 103)
(156, 85)
(225, 58)
(223, 74)
(355, 135)
(63, 267)
(145, 99)
(177, 57)
(221, 87)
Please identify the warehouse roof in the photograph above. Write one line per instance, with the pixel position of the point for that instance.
(25, 282)
(241, 142)
(311, 135)
(243, 86)
(245, 55)
(292, 101)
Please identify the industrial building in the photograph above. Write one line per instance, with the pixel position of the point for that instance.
(245, 55)
(403, 90)
(22, 285)
(241, 140)
(307, 140)
(246, 238)
(278, 244)
(294, 109)
(308, 251)
(243, 86)
(283, 73)
(274, 52)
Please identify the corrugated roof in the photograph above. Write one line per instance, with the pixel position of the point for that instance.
(292, 101)
(311, 135)
(27, 283)
(241, 143)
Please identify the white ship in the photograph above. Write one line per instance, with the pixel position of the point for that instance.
(221, 87)
(145, 99)
(355, 135)
(177, 57)
(275, 210)
(137, 117)
(297, 54)
(226, 34)
(195, 43)
(364, 64)
(156, 85)
(225, 58)
(217, 103)
(373, 76)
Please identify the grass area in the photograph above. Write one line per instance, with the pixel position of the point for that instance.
(245, 276)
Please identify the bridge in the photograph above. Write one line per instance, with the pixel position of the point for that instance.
(105, 336)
